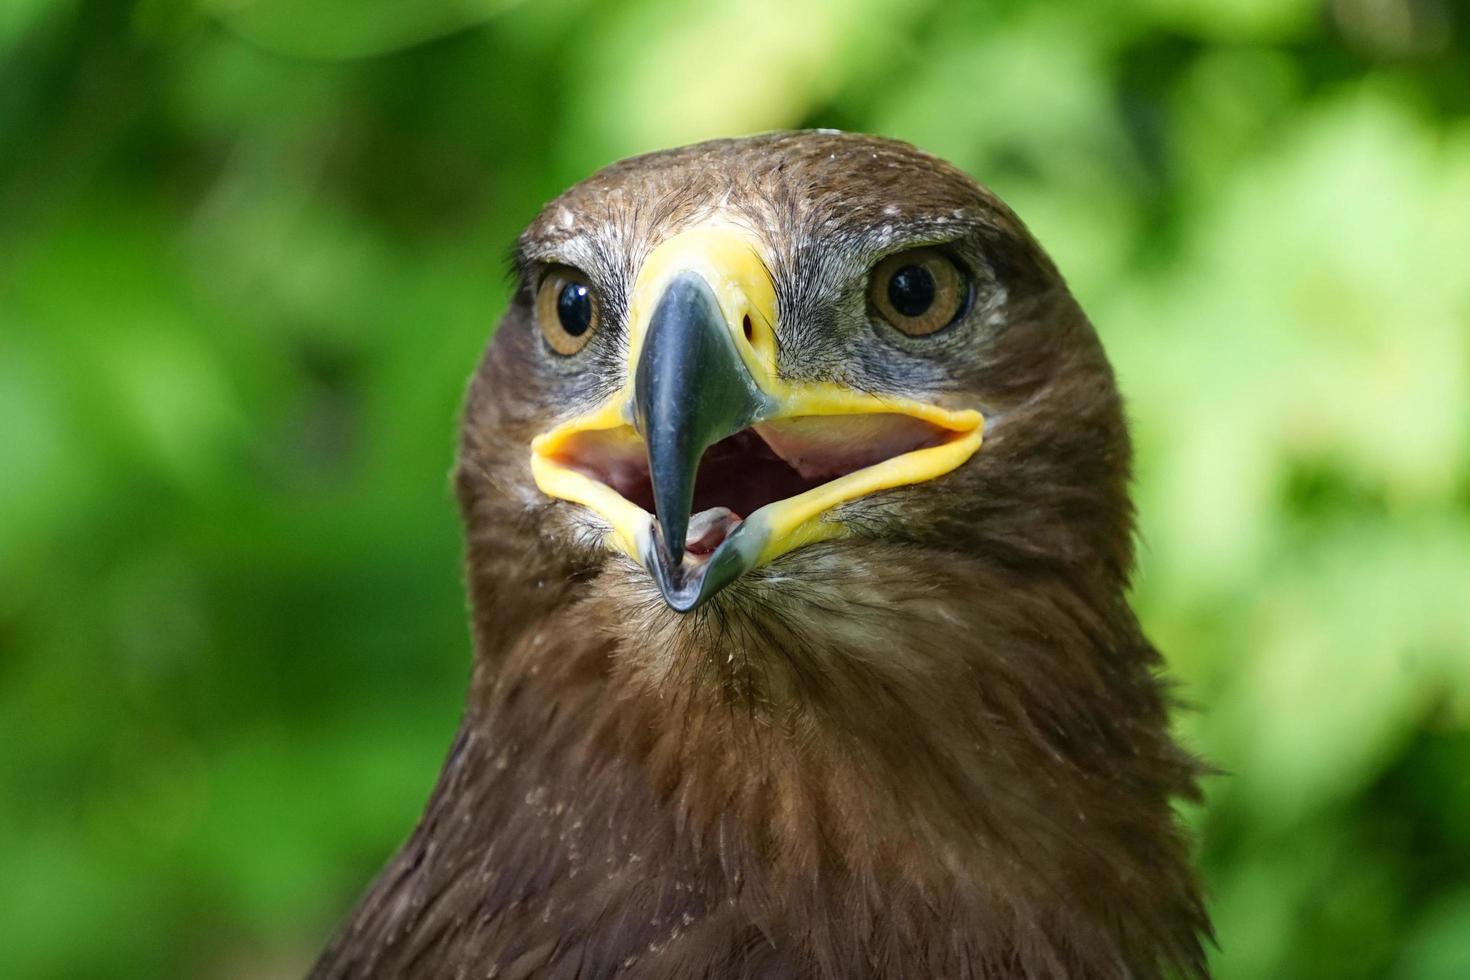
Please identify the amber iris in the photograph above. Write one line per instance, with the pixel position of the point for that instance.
(919, 291)
(566, 310)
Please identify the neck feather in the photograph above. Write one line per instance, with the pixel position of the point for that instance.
(854, 758)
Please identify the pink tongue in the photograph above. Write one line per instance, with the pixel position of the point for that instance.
(709, 528)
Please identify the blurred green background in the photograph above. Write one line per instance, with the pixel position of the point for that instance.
(251, 249)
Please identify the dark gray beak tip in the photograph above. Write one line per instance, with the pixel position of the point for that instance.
(687, 587)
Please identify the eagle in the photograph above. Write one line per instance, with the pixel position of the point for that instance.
(795, 487)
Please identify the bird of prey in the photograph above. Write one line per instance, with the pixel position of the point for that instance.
(795, 488)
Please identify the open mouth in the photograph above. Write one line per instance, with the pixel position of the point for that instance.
(772, 462)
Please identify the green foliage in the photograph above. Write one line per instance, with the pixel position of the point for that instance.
(249, 252)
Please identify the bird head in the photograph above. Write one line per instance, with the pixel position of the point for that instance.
(795, 489)
(747, 371)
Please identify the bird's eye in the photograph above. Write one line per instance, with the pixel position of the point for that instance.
(919, 291)
(566, 310)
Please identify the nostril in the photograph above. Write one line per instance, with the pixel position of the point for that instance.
(749, 330)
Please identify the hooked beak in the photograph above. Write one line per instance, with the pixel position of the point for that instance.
(690, 391)
(704, 419)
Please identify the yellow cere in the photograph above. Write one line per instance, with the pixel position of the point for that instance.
(729, 258)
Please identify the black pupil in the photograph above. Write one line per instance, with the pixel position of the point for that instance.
(574, 308)
(911, 290)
